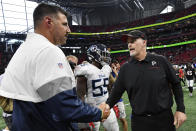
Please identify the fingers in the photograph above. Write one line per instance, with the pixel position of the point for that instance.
(105, 110)
(175, 121)
(107, 107)
(179, 119)
(178, 123)
(105, 114)
(104, 106)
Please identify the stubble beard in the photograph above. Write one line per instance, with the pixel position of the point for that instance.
(61, 41)
(132, 54)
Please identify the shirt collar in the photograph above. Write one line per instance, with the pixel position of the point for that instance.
(36, 36)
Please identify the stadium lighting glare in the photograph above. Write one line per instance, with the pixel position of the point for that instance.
(140, 4)
(136, 4)
(14, 41)
(70, 47)
(168, 9)
(74, 23)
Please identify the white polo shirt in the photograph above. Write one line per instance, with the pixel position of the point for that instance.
(1, 77)
(36, 63)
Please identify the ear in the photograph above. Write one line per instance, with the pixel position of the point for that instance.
(145, 43)
(48, 21)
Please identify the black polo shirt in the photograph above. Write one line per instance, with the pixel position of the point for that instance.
(150, 84)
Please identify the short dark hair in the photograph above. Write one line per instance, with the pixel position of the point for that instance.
(115, 61)
(43, 10)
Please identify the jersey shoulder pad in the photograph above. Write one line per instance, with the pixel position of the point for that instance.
(106, 69)
(82, 69)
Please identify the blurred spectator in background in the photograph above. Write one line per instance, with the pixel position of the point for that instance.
(190, 75)
(119, 108)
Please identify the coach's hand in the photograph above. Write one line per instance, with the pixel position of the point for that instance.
(105, 110)
(179, 118)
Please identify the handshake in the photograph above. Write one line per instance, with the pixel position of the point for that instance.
(105, 108)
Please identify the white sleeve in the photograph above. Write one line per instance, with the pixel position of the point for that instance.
(81, 70)
(1, 77)
(50, 65)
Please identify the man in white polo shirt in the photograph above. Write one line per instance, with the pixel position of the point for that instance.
(40, 80)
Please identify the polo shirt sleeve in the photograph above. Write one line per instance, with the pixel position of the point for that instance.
(176, 86)
(118, 88)
(51, 67)
(66, 106)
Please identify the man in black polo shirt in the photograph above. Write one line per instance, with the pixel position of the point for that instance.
(150, 82)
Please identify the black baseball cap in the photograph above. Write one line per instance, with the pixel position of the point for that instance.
(134, 34)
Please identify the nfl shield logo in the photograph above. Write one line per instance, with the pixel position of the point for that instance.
(60, 65)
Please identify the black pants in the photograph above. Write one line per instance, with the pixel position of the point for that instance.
(190, 89)
(160, 122)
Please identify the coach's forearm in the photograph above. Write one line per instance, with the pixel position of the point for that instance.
(115, 96)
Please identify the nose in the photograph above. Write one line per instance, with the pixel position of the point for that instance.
(68, 30)
(129, 44)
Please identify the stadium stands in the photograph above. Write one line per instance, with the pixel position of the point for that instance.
(180, 31)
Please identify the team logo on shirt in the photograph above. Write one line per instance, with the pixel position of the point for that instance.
(60, 65)
(154, 63)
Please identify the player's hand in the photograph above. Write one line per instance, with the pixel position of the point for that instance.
(179, 118)
(105, 110)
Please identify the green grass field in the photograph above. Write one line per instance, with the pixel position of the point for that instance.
(189, 125)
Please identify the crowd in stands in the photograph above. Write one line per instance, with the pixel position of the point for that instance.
(140, 22)
(5, 57)
(180, 31)
(179, 55)
(172, 33)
